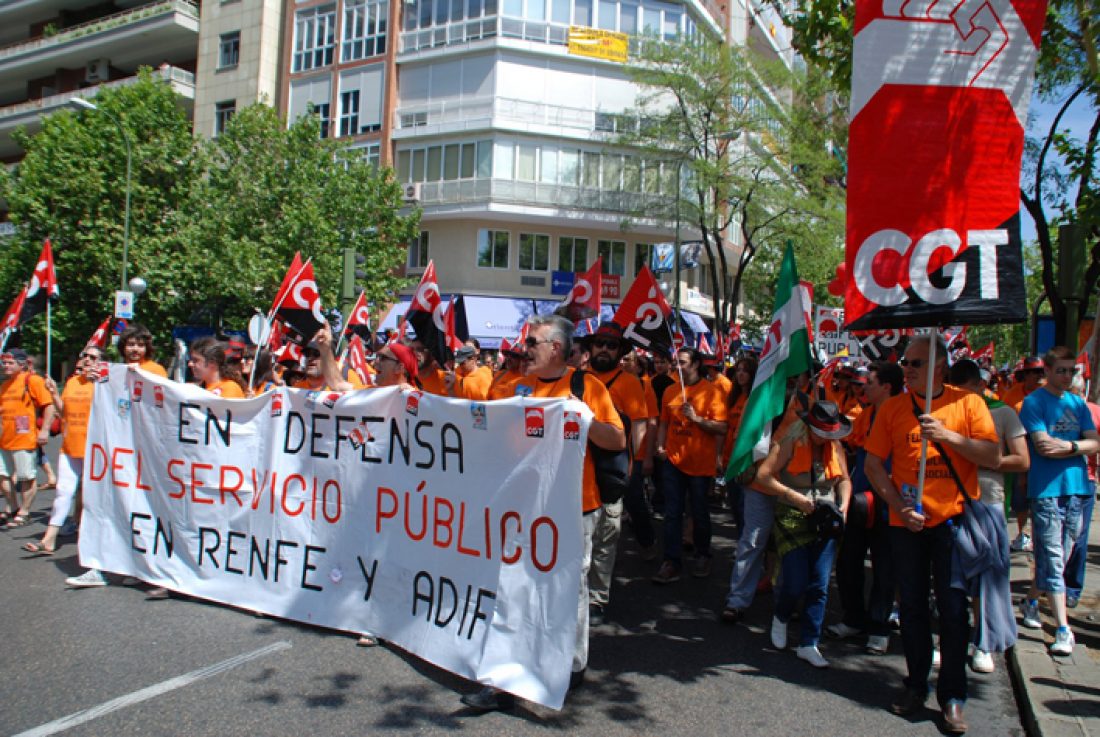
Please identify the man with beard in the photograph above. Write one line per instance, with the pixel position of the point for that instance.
(136, 345)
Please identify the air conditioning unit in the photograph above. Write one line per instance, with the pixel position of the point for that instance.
(412, 193)
(97, 70)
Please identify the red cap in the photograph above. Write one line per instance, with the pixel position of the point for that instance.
(405, 355)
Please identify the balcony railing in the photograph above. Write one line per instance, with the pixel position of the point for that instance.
(175, 75)
(558, 196)
(480, 112)
(99, 25)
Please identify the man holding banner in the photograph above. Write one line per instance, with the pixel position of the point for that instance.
(961, 437)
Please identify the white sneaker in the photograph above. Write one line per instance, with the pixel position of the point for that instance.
(1022, 543)
(981, 661)
(88, 579)
(1063, 642)
(1029, 615)
(935, 657)
(878, 644)
(779, 634)
(813, 656)
(842, 630)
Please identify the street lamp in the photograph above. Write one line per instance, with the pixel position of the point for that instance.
(79, 103)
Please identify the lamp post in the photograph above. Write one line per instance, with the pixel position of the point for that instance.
(80, 103)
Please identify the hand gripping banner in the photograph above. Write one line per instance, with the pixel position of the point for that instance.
(449, 528)
(939, 103)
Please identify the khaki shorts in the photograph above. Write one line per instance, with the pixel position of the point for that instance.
(20, 465)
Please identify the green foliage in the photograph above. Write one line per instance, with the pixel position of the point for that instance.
(214, 224)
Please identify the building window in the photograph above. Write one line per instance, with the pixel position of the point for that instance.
(492, 249)
(613, 254)
(447, 162)
(418, 251)
(364, 29)
(314, 37)
(534, 252)
(572, 253)
(223, 111)
(229, 50)
(321, 110)
(643, 256)
(349, 113)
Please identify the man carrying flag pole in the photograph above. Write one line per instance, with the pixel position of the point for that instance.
(786, 354)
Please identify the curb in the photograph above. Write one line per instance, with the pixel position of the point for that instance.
(1048, 689)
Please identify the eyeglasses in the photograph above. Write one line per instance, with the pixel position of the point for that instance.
(384, 357)
(92, 356)
(605, 343)
(532, 341)
(913, 362)
(1065, 370)
(311, 353)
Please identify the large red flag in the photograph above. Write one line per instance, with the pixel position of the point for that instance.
(357, 358)
(11, 317)
(986, 352)
(358, 322)
(425, 314)
(43, 285)
(99, 337)
(298, 303)
(644, 314)
(583, 300)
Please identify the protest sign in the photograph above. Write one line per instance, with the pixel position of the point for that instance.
(449, 528)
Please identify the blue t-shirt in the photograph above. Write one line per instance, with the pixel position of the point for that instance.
(1066, 418)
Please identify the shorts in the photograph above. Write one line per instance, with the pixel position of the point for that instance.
(1055, 525)
(18, 464)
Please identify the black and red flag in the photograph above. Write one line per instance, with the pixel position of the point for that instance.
(43, 286)
(583, 300)
(11, 317)
(426, 315)
(358, 322)
(357, 358)
(99, 337)
(298, 303)
(645, 314)
(453, 341)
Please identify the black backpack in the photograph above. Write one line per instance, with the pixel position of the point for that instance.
(613, 467)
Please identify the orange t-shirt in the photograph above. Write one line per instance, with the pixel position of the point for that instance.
(504, 384)
(801, 457)
(317, 384)
(76, 403)
(21, 397)
(599, 401)
(723, 382)
(226, 389)
(474, 385)
(432, 382)
(861, 426)
(627, 395)
(154, 368)
(734, 421)
(895, 434)
(690, 448)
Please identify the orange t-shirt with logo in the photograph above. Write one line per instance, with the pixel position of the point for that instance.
(21, 397)
(226, 389)
(504, 384)
(76, 408)
(802, 457)
(628, 396)
(474, 385)
(599, 401)
(690, 448)
(154, 368)
(432, 382)
(895, 434)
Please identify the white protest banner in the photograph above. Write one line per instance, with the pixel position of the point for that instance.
(829, 335)
(450, 528)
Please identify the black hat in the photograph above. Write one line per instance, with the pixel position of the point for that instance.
(824, 418)
(18, 354)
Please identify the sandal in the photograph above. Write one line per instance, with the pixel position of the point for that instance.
(18, 521)
(5, 518)
(37, 548)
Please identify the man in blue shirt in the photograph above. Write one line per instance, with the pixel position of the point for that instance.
(1060, 434)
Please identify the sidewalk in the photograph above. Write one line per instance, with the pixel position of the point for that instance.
(1060, 697)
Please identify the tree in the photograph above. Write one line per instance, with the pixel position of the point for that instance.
(751, 142)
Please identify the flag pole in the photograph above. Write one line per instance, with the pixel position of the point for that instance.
(270, 322)
(49, 334)
(927, 410)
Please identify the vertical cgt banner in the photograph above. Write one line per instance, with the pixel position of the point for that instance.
(939, 104)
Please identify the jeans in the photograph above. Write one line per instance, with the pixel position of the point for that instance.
(915, 555)
(759, 516)
(678, 485)
(861, 534)
(1074, 575)
(736, 495)
(1055, 523)
(636, 506)
(804, 573)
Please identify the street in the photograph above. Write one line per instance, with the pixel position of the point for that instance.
(119, 664)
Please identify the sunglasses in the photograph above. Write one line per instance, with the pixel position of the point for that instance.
(92, 356)
(532, 342)
(605, 343)
(913, 362)
(311, 353)
(384, 357)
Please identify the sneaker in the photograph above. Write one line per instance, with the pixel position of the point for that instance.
(489, 699)
(1063, 642)
(1022, 543)
(935, 657)
(981, 661)
(701, 569)
(812, 655)
(779, 634)
(878, 644)
(1029, 613)
(667, 573)
(88, 579)
(840, 630)
(894, 620)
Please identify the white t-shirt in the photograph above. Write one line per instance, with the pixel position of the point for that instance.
(992, 483)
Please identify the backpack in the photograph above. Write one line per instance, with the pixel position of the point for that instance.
(613, 467)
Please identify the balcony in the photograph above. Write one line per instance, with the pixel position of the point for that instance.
(494, 112)
(165, 31)
(28, 114)
(557, 197)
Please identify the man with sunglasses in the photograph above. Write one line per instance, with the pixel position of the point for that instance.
(321, 365)
(960, 435)
(1060, 435)
(23, 395)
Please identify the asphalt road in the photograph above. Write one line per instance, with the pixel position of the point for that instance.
(119, 664)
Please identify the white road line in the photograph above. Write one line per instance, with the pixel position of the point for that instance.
(86, 715)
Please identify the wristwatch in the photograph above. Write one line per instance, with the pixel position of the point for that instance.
(1073, 447)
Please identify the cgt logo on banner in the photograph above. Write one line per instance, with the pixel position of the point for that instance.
(939, 103)
(460, 545)
(829, 335)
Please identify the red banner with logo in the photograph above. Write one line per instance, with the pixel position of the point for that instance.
(939, 105)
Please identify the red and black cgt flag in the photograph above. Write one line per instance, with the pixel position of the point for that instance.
(583, 300)
(11, 317)
(644, 314)
(99, 337)
(43, 286)
(358, 322)
(426, 315)
(357, 358)
(298, 303)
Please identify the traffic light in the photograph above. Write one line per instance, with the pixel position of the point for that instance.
(352, 274)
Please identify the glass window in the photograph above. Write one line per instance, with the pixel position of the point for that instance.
(435, 163)
(613, 254)
(349, 113)
(492, 249)
(534, 252)
(484, 159)
(651, 20)
(404, 162)
(612, 172)
(450, 161)
(590, 177)
(364, 29)
(572, 253)
(651, 177)
(548, 171)
(628, 18)
(223, 111)
(569, 167)
(536, 10)
(632, 174)
(609, 14)
(643, 255)
(671, 25)
(559, 11)
(418, 165)
(469, 159)
(502, 160)
(525, 162)
(321, 110)
(229, 50)
(314, 37)
(582, 12)
(513, 8)
(418, 251)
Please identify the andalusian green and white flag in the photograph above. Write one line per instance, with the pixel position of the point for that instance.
(786, 354)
